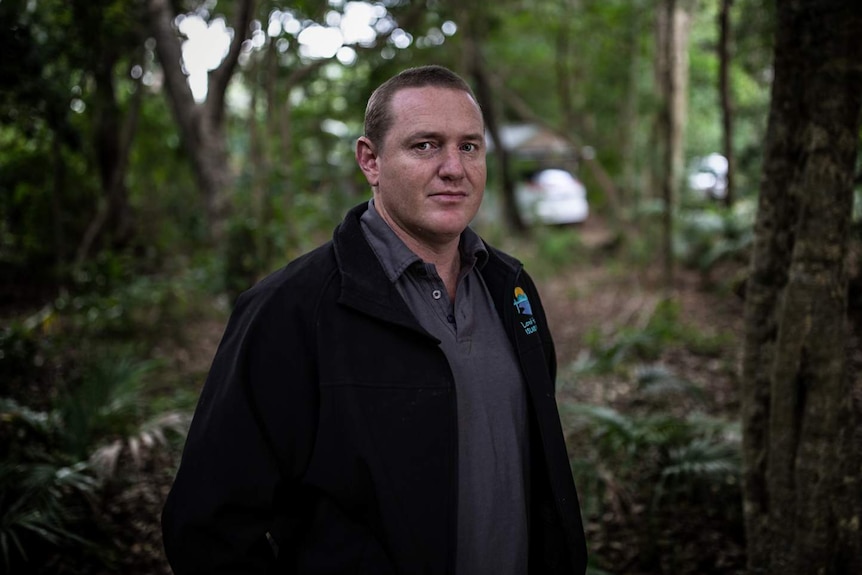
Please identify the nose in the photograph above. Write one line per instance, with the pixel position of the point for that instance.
(451, 166)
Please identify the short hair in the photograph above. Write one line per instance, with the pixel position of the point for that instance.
(378, 116)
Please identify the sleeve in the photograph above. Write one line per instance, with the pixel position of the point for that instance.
(233, 473)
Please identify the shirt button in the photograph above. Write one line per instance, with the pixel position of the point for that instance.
(436, 294)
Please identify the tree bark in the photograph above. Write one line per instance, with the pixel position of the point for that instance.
(114, 136)
(673, 25)
(628, 123)
(801, 480)
(665, 65)
(724, 96)
(113, 41)
(201, 125)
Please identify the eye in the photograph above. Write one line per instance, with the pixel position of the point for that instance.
(469, 147)
(423, 146)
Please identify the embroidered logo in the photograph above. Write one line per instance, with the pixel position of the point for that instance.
(522, 304)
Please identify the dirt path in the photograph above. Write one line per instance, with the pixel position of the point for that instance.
(597, 295)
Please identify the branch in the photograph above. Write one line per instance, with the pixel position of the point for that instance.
(169, 51)
(221, 76)
(118, 172)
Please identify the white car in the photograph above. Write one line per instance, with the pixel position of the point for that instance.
(552, 196)
(709, 176)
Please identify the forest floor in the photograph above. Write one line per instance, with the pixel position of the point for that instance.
(588, 295)
(596, 293)
(597, 299)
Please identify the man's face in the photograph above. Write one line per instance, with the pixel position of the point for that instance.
(429, 173)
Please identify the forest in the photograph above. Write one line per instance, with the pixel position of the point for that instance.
(159, 157)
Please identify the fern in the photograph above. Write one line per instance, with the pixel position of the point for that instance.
(659, 381)
(617, 452)
(703, 461)
(56, 459)
(37, 502)
(109, 402)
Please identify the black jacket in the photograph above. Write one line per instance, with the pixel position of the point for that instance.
(324, 440)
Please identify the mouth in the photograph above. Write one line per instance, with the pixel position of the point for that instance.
(449, 195)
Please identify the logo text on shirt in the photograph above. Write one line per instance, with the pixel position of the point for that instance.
(522, 304)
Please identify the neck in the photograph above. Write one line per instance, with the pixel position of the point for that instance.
(446, 258)
(443, 253)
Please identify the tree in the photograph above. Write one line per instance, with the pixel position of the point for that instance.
(68, 125)
(201, 125)
(801, 484)
(725, 102)
(116, 37)
(673, 24)
(476, 24)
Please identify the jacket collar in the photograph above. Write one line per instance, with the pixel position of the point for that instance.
(366, 287)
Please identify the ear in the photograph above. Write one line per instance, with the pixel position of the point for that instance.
(366, 157)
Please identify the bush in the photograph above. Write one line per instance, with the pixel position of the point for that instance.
(60, 459)
(659, 481)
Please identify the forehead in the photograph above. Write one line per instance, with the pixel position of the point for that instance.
(435, 107)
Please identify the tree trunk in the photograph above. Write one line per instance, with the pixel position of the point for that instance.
(471, 19)
(115, 133)
(628, 124)
(486, 101)
(678, 96)
(801, 481)
(201, 125)
(114, 125)
(673, 25)
(563, 69)
(724, 96)
(665, 64)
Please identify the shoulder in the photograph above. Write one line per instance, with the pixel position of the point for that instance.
(499, 258)
(503, 265)
(300, 282)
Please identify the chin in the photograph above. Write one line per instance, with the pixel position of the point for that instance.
(450, 222)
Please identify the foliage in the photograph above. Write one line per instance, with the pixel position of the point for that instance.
(111, 299)
(42, 504)
(61, 458)
(53, 110)
(653, 469)
(662, 329)
(708, 235)
(558, 247)
(648, 457)
(91, 328)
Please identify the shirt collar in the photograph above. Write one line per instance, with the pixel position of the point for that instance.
(396, 257)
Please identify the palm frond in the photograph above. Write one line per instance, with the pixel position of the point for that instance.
(35, 499)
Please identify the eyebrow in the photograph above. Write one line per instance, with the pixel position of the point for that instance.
(431, 135)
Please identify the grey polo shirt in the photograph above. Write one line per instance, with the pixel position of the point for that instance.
(493, 455)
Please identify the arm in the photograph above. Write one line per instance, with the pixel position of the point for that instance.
(261, 386)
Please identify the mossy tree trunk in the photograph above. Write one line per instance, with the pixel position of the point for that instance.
(802, 489)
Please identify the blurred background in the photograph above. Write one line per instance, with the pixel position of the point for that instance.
(157, 157)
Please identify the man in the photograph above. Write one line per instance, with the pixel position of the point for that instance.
(385, 403)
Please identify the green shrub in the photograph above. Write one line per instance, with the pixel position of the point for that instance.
(703, 237)
(656, 477)
(58, 461)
